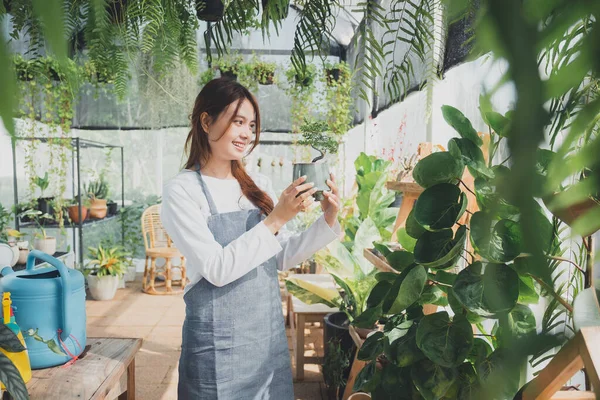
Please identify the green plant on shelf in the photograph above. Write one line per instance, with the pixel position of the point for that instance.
(40, 219)
(42, 183)
(264, 72)
(97, 189)
(5, 217)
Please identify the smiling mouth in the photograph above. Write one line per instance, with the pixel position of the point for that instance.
(239, 146)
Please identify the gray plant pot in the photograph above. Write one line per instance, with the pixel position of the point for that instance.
(318, 173)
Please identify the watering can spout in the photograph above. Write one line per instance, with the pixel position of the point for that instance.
(6, 271)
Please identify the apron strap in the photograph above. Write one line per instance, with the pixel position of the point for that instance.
(211, 202)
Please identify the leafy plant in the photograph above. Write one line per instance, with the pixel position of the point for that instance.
(264, 72)
(9, 374)
(432, 356)
(40, 220)
(300, 89)
(207, 76)
(314, 134)
(42, 183)
(97, 189)
(5, 216)
(108, 261)
(338, 97)
(334, 365)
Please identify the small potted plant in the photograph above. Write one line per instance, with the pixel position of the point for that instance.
(314, 134)
(304, 79)
(230, 66)
(42, 241)
(98, 193)
(73, 210)
(15, 238)
(43, 203)
(264, 72)
(106, 267)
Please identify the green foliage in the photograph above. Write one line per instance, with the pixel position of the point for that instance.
(9, 374)
(315, 134)
(264, 72)
(338, 97)
(97, 189)
(300, 88)
(130, 217)
(108, 261)
(42, 183)
(5, 218)
(207, 76)
(334, 365)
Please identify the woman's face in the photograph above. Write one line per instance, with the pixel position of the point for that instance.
(238, 128)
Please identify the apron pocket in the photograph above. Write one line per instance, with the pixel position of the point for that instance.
(207, 351)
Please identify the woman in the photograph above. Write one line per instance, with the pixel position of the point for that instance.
(225, 223)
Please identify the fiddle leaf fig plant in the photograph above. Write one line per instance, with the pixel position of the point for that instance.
(437, 355)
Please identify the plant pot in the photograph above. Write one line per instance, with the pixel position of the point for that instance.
(278, 12)
(267, 80)
(228, 75)
(336, 327)
(570, 214)
(333, 75)
(43, 205)
(130, 274)
(47, 245)
(103, 287)
(112, 208)
(210, 10)
(23, 254)
(74, 213)
(318, 173)
(304, 82)
(15, 253)
(98, 208)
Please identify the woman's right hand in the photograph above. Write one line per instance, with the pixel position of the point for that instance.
(290, 203)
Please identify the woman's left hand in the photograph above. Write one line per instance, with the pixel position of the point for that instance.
(331, 204)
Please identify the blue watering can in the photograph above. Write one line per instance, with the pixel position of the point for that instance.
(49, 306)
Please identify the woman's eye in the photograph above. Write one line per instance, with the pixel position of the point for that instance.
(238, 121)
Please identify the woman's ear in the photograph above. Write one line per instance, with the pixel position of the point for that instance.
(205, 121)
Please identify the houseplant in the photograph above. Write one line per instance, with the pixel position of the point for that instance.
(5, 216)
(264, 72)
(230, 66)
(98, 192)
(338, 97)
(43, 202)
(73, 210)
(301, 91)
(42, 241)
(106, 266)
(314, 134)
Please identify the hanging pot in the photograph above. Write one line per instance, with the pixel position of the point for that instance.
(333, 75)
(98, 208)
(228, 75)
(318, 173)
(210, 10)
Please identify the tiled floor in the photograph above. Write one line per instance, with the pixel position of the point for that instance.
(158, 320)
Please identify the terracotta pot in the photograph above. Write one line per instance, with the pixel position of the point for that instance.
(98, 208)
(74, 213)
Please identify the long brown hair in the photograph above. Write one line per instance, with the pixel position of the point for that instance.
(213, 99)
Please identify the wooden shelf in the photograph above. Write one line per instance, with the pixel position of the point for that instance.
(404, 187)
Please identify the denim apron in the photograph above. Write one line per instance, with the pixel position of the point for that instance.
(234, 342)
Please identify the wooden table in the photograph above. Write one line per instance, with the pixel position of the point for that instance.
(96, 375)
(301, 314)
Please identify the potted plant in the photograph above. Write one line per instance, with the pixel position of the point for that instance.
(314, 135)
(210, 10)
(15, 239)
(73, 210)
(42, 241)
(335, 362)
(264, 72)
(97, 191)
(43, 203)
(108, 264)
(305, 79)
(230, 66)
(25, 69)
(5, 216)
(112, 207)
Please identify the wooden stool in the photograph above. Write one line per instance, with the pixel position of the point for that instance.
(158, 244)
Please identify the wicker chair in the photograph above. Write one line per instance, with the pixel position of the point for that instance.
(158, 244)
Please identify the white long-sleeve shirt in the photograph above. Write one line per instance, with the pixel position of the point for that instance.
(185, 210)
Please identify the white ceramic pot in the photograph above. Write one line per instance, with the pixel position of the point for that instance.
(130, 274)
(47, 245)
(103, 287)
(6, 255)
(15, 253)
(23, 254)
(23, 244)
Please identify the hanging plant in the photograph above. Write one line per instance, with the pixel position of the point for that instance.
(275, 10)
(210, 10)
(301, 90)
(338, 97)
(206, 77)
(264, 72)
(25, 69)
(230, 66)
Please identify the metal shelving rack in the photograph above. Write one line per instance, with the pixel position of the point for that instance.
(77, 144)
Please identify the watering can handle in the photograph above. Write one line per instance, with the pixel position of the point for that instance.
(64, 279)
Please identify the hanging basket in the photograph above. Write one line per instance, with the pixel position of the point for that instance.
(228, 75)
(210, 10)
(333, 75)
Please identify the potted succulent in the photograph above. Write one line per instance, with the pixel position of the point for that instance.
(42, 241)
(43, 203)
(97, 192)
(107, 266)
(264, 72)
(314, 134)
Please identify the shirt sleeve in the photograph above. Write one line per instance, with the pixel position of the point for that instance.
(297, 248)
(186, 225)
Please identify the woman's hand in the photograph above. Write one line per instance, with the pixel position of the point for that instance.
(290, 203)
(331, 204)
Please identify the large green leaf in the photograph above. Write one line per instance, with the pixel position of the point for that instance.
(413, 229)
(11, 378)
(365, 236)
(440, 249)
(400, 259)
(499, 123)
(522, 320)
(433, 294)
(402, 345)
(368, 317)
(406, 290)
(432, 380)
(368, 378)
(481, 232)
(471, 155)
(459, 309)
(527, 291)
(461, 124)
(440, 167)
(506, 241)
(312, 294)
(486, 294)
(372, 347)
(9, 341)
(445, 342)
(406, 241)
(440, 206)
(488, 199)
(466, 386)
(378, 293)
